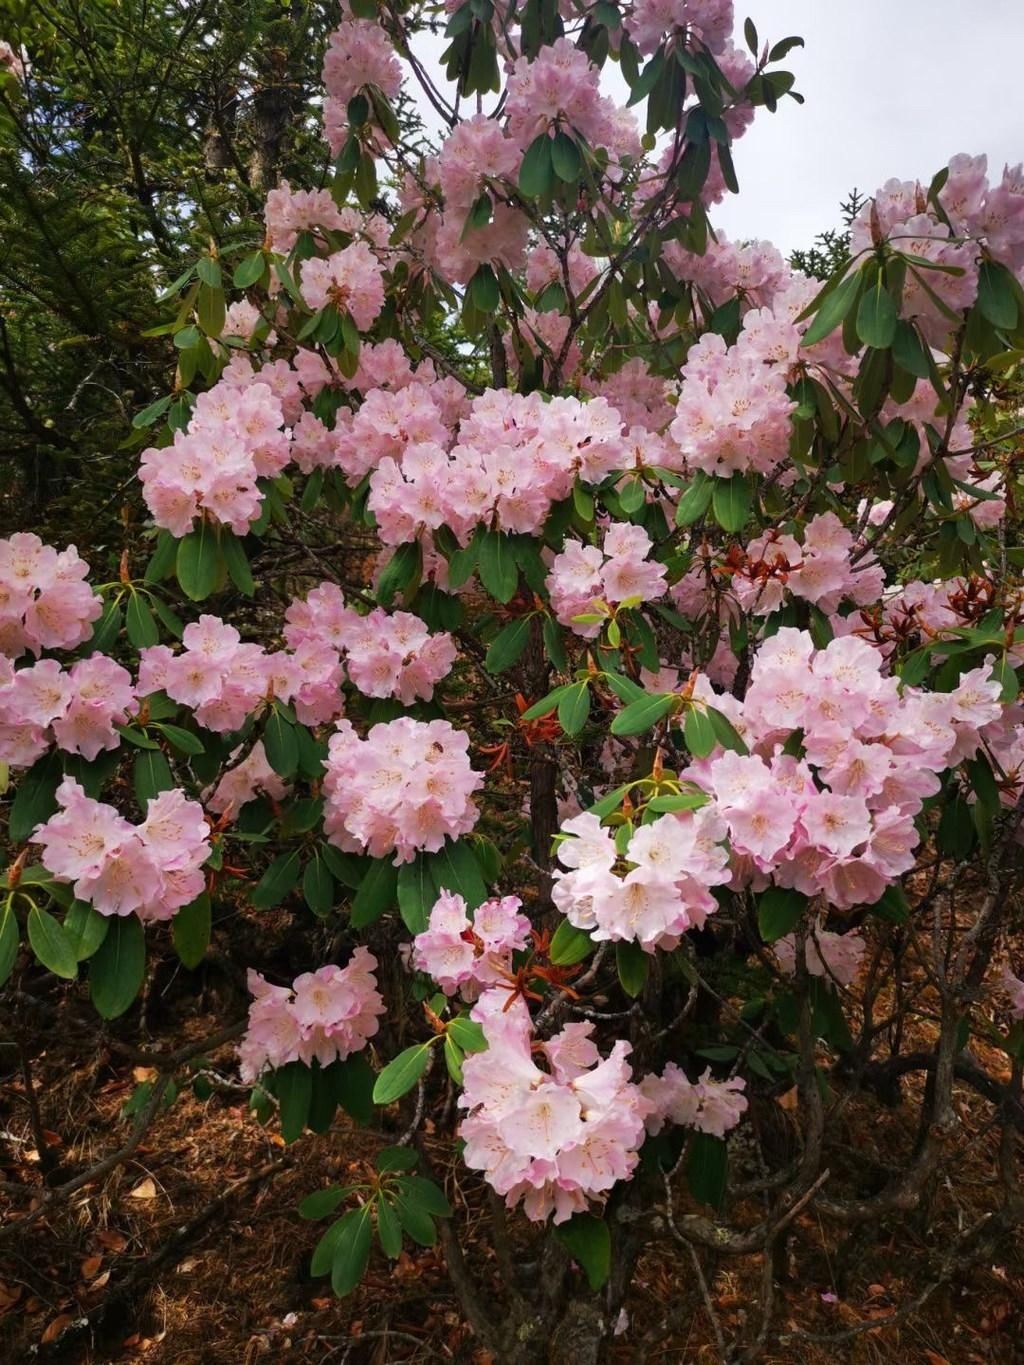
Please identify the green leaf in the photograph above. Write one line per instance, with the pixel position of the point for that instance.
(908, 350)
(632, 964)
(377, 892)
(151, 775)
(699, 732)
(833, 309)
(249, 270)
(400, 573)
(468, 1034)
(35, 797)
(574, 708)
(731, 502)
(198, 562)
(278, 880)
(397, 1159)
(190, 930)
(684, 801)
(483, 291)
(725, 732)
(421, 1193)
(10, 941)
(118, 967)
(778, 912)
(400, 1075)
(707, 1166)
(565, 158)
(508, 645)
(419, 1225)
(353, 1087)
(499, 572)
(695, 499)
(323, 1253)
(237, 563)
(293, 1086)
(183, 740)
(876, 315)
(281, 744)
(107, 628)
(554, 647)
(997, 297)
(50, 944)
(416, 893)
(142, 628)
(588, 1241)
(210, 310)
(453, 1059)
(149, 415)
(569, 945)
(318, 886)
(537, 173)
(389, 1229)
(322, 1203)
(643, 715)
(455, 868)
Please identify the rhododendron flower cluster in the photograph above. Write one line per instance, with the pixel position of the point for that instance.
(620, 571)
(515, 456)
(289, 212)
(464, 954)
(44, 601)
(708, 1105)
(709, 21)
(358, 55)
(385, 655)
(351, 279)
(652, 893)
(833, 957)
(819, 570)
(76, 709)
(551, 1140)
(222, 678)
(324, 1016)
(150, 870)
(561, 81)
(733, 414)
(235, 436)
(247, 779)
(407, 786)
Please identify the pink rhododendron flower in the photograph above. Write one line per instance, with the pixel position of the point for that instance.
(44, 602)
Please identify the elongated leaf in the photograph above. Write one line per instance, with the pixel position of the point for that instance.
(35, 797)
(293, 1086)
(389, 1229)
(10, 941)
(455, 868)
(378, 892)
(50, 944)
(574, 708)
(499, 572)
(537, 173)
(318, 886)
(699, 732)
(85, 929)
(778, 912)
(281, 744)
(322, 1203)
(416, 893)
(834, 308)
(996, 295)
(731, 501)
(278, 880)
(707, 1169)
(508, 645)
(400, 1075)
(118, 967)
(351, 1250)
(589, 1242)
(468, 1034)
(640, 716)
(151, 775)
(570, 945)
(876, 315)
(237, 563)
(695, 499)
(198, 562)
(191, 930)
(632, 964)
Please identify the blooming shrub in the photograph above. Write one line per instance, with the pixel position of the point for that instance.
(626, 685)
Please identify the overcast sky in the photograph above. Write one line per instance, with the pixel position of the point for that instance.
(892, 88)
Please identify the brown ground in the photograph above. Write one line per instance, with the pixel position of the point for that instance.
(235, 1290)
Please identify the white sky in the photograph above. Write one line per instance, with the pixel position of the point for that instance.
(892, 88)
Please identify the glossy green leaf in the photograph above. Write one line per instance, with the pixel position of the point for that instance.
(118, 967)
(190, 930)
